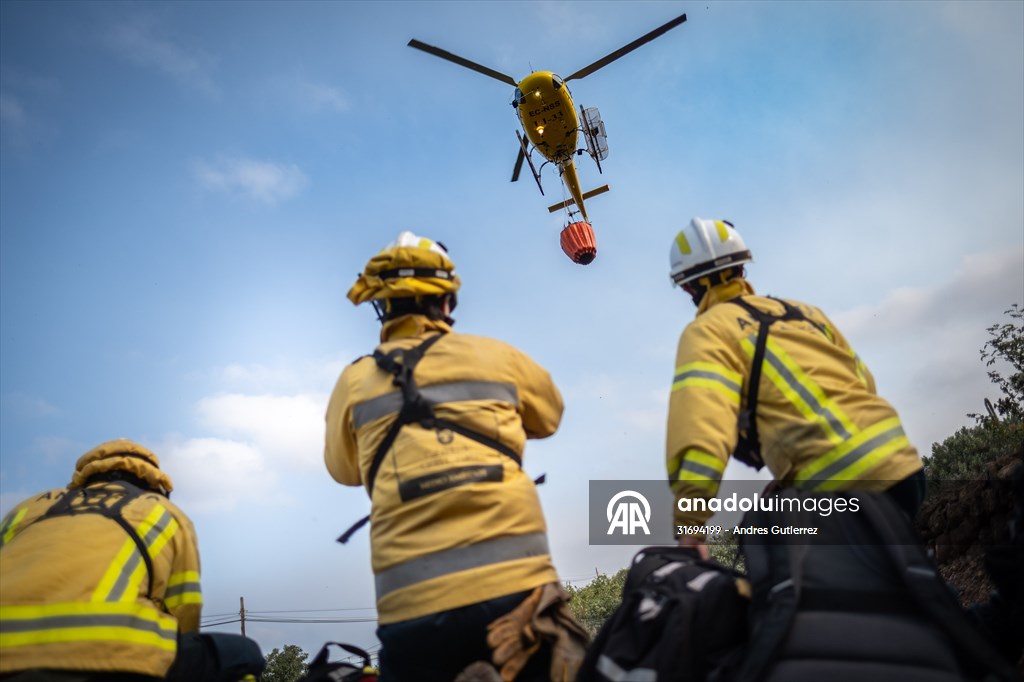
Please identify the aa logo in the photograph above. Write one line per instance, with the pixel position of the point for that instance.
(629, 515)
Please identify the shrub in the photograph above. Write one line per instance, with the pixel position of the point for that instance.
(595, 602)
(1001, 429)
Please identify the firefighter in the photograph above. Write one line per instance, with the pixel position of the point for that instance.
(813, 416)
(434, 425)
(101, 581)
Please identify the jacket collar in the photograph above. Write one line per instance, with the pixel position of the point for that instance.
(411, 325)
(721, 293)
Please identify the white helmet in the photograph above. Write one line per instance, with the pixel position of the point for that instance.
(408, 239)
(705, 246)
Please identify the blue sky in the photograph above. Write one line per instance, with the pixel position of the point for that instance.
(189, 189)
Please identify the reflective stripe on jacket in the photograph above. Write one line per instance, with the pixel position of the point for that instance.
(74, 592)
(821, 424)
(453, 521)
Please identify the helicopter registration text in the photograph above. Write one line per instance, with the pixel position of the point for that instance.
(546, 107)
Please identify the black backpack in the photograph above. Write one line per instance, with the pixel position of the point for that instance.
(680, 619)
(322, 670)
(215, 657)
(861, 600)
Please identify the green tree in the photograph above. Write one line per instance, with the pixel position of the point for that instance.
(1007, 344)
(288, 665)
(725, 549)
(595, 602)
(1001, 429)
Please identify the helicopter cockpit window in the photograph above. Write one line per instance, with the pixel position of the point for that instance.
(556, 82)
(518, 98)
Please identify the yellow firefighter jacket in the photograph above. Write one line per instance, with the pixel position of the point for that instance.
(75, 592)
(822, 426)
(453, 522)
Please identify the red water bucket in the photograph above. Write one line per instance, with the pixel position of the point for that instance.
(578, 242)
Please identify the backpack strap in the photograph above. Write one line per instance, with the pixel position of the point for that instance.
(106, 501)
(928, 591)
(771, 629)
(416, 409)
(890, 533)
(414, 405)
(322, 658)
(748, 448)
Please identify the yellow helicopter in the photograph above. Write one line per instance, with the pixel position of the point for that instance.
(551, 126)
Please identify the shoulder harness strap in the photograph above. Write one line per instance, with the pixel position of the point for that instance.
(416, 409)
(748, 449)
(414, 406)
(108, 501)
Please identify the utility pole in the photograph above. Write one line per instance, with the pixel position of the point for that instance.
(241, 611)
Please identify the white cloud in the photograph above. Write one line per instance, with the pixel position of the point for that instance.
(986, 284)
(215, 474)
(296, 376)
(23, 405)
(138, 40)
(29, 82)
(22, 93)
(252, 439)
(259, 426)
(287, 429)
(922, 344)
(322, 96)
(255, 374)
(12, 113)
(56, 448)
(21, 124)
(264, 181)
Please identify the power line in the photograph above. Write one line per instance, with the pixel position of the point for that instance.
(262, 619)
(286, 616)
(311, 620)
(361, 608)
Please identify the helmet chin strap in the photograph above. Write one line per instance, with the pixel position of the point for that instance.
(380, 307)
(694, 293)
(452, 300)
(697, 289)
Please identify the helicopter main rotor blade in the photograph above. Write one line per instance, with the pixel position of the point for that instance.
(444, 54)
(605, 61)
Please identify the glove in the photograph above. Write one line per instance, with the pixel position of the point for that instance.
(512, 639)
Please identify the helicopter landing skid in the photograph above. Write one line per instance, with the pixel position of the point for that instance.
(524, 152)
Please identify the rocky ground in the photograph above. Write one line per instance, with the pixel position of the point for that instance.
(961, 521)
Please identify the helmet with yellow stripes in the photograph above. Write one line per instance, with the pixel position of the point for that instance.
(411, 267)
(121, 455)
(703, 247)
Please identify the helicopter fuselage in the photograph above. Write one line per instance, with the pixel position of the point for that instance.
(548, 117)
(547, 114)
